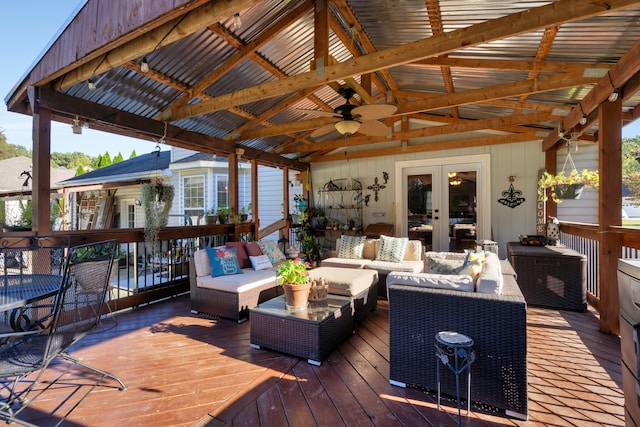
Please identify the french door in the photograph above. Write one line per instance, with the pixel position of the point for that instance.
(444, 202)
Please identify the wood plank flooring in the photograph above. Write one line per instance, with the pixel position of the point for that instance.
(185, 370)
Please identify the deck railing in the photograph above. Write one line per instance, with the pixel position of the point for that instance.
(141, 277)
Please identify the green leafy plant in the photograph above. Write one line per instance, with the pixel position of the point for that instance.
(293, 271)
(548, 182)
(224, 213)
(156, 201)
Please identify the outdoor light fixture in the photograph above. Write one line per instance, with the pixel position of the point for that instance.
(76, 127)
(348, 127)
(91, 85)
(614, 95)
(583, 119)
(239, 152)
(237, 22)
(144, 65)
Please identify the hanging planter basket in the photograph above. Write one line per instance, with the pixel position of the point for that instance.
(156, 201)
(568, 191)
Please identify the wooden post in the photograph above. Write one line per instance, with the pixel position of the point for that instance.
(551, 165)
(41, 182)
(609, 212)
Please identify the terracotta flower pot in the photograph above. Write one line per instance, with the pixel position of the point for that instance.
(296, 296)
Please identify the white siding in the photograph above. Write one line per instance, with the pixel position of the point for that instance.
(585, 209)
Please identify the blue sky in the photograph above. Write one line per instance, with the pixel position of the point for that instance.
(28, 27)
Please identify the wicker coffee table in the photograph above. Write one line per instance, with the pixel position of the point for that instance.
(310, 334)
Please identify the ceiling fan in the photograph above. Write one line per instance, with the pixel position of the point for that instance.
(354, 118)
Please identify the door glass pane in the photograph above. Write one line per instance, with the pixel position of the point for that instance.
(462, 210)
(420, 208)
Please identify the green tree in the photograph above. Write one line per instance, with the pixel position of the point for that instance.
(80, 170)
(70, 160)
(118, 158)
(631, 166)
(133, 154)
(8, 151)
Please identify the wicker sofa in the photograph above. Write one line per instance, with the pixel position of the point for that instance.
(230, 296)
(412, 261)
(496, 323)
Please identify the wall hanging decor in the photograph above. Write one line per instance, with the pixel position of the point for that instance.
(511, 197)
(376, 187)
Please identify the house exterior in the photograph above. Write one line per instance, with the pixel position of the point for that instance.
(16, 185)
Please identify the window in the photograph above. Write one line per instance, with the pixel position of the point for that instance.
(193, 187)
(222, 190)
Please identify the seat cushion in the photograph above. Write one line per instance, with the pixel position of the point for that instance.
(345, 281)
(238, 283)
(345, 262)
(430, 280)
(386, 267)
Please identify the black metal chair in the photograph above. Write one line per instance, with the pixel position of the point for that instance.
(76, 311)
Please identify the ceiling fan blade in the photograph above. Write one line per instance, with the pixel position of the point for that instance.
(374, 111)
(317, 113)
(323, 130)
(373, 128)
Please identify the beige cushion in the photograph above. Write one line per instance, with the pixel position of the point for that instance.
(413, 251)
(202, 263)
(490, 280)
(428, 280)
(386, 267)
(344, 262)
(345, 281)
(237, 283)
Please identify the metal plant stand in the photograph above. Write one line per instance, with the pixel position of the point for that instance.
(455, 351)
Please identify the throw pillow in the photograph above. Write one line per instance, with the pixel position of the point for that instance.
(224, 261)
(241, 252)
(351, 247)
(260, 262)
(445, 266)
(392, 248)
(253, 249)
(270, 248)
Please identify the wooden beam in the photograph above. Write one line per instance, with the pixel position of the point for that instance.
(41, 179)
(430, 146)
(624, 70)
(555, 13)
(180, 27)
(243, 52)
(506, 64)
(113, 119)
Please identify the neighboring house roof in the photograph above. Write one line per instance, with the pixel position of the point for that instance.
(140, 167)
(199, 157)
(12, 169)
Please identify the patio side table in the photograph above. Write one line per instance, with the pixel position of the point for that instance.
(455, 351)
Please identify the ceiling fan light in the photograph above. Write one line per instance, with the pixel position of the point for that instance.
(348, 127)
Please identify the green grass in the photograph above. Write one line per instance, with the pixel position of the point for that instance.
(633, 222)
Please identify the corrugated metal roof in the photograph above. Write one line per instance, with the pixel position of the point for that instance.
(178, 67)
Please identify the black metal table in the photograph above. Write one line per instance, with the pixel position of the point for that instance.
(19, 292)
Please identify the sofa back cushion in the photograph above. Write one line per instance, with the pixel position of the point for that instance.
(202, 263)
(241, 252)
(351, 247)
(392, 248)
(413, 251)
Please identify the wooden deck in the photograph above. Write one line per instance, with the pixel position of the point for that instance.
(184, 370)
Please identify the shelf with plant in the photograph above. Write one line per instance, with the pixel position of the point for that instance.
(564, 186)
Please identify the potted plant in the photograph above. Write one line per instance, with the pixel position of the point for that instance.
(211, 216)
(562, 186)
(293, 276)
(244, 214)
(157, 198)
(224, 213)
(301, 202)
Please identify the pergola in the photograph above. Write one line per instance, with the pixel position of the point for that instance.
(221, 75)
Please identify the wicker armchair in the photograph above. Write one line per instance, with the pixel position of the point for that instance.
(497, 324)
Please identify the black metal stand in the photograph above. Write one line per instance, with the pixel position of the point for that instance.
(455, 351)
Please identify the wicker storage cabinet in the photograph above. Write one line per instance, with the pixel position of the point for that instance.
(550, 276)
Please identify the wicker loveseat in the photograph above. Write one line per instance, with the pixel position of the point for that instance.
(496, 323)
(412, 261)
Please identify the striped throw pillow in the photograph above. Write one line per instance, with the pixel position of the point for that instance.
(392, 248)
(351, 247)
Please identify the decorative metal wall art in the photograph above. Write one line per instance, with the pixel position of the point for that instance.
(376, 187)
(511, 197)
